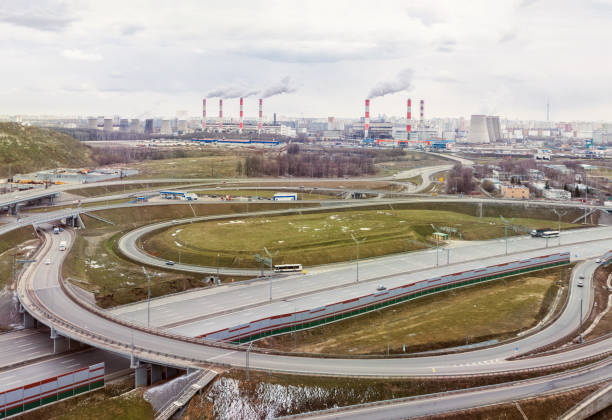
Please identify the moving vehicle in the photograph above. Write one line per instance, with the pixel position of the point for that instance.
(62, 246)
(581, 276)
(598, 260)
(544, 233)
(580, 283)
(381, 287)
(169, 262)
(283, 268)
(56, 230)
(48, 261)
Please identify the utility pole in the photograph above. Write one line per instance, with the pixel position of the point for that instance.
(217, 266)
(144, 270)
(357, 243)
(559, 214)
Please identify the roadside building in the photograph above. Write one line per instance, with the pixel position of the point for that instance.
(515, 191)
(556, 194)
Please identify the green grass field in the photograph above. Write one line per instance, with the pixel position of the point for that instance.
(478, 313)
(313, 239)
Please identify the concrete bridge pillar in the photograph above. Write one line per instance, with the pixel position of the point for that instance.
(60, 343)
(29, 321)
(140, 376)
(156, 373)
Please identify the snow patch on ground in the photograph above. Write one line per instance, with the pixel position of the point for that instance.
(365, 228)
(232, 222)
(94, 264)
(231, 401)
(177, 244)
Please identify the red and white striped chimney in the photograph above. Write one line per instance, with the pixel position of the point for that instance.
(260, 122)
(366, 125)
(220, 115)
(409, 117)
(241, 114)
(203, 114)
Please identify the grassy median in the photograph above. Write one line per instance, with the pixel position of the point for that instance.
(494, 310)
(312, 239)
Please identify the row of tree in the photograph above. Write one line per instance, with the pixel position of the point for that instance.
(307, 164)
(460, 180)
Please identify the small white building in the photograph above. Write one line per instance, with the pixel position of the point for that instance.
(556, 194)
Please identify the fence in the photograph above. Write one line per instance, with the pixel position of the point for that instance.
(37, 394)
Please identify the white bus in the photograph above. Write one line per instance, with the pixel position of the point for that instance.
(282, 268)
(550, 234)
(62, 246)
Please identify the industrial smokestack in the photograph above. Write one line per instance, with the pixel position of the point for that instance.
(409, 117)
(204, 114)
(220, 115)
(260, 122)
(422, 111)
(366, 125)
(241, 114)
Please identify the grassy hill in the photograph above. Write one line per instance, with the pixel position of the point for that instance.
(30, 149)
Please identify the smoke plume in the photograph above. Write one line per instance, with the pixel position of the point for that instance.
(284, 86)
(232, 92)
(403, 81)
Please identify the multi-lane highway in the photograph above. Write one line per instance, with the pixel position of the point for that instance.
(43, 284)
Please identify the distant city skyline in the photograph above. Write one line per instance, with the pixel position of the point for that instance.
(309, 59)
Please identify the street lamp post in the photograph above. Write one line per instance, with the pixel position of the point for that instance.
(559, 213)
(144, 270)
(217, 266)
(357, 266)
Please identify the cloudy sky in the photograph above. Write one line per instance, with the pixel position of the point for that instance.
(310, 58)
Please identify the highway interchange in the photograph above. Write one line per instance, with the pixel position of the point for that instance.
(123, 330)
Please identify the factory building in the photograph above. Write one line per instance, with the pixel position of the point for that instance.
(108, 125)
(484, 129)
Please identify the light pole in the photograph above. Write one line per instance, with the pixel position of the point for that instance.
(559, 213)
(357, 243)
(144, 270)
(217, 266)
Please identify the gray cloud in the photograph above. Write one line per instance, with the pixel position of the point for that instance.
(42, 17)
(131, 29)
(402, 82)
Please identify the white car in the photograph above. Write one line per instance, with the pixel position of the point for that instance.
(580, 283)
(581, 276)
(381, 287)
(598, 260)
(48, 261)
